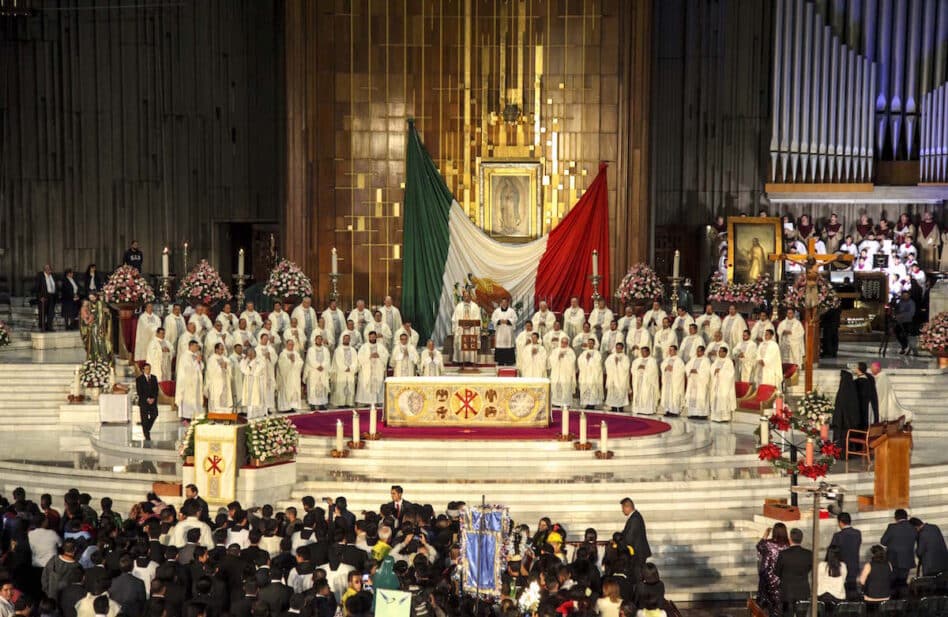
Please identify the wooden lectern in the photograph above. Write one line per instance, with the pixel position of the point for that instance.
(470, 342)
(893, 452)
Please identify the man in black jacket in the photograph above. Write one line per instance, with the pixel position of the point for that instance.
(899, 542)
(128, 590)
(848, 540)
(146, 385)
(133, 256)
(932, 554)
(275, 594)
(634, 535)
(46, 293)
(793, 569)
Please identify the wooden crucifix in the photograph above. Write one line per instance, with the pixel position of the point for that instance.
(812, 261)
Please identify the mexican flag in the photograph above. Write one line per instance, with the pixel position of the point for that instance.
(446, 252)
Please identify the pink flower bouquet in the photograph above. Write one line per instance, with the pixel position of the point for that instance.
(640, 283)
(127, 286)
(287, 281)
(203, 285)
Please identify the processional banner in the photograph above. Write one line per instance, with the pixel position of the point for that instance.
(484, 531)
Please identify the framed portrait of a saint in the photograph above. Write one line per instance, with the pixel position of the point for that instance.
(750, 242)
(510, 199)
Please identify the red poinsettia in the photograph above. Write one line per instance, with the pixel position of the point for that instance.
(831, 449)
(813, 472)
(780, 422)
(770, 452)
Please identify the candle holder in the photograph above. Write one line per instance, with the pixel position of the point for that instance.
(164, 290)
(582, 446)
(356, 446)
(604, 455)
(241, 280)
(334, 286)
(674, 294)
(566, 437)
(371, 436)
(339, 454)
(595, 278)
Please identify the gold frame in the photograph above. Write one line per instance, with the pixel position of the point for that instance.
(511, 168)
(734, 223)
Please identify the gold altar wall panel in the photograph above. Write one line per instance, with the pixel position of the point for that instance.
(579, 71)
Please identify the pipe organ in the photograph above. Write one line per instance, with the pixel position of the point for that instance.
(856, 81)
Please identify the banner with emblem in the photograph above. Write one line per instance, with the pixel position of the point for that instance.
(219, 450)
(472, 401)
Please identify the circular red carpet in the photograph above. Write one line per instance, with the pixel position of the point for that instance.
(323, 423)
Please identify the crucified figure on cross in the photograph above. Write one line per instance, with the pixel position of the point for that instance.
(812, 261)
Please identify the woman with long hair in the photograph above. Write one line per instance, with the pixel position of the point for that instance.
(608, 605)
(876, 577)
(831, 578)
(768, 583)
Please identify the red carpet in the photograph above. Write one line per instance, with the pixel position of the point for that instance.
(324, 424)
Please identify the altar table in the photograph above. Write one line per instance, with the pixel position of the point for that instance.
(115, 408)
(467, 400)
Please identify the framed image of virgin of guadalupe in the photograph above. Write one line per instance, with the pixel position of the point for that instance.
(750, 242)
(510, 199)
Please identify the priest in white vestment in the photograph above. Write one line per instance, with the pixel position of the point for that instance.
(673, 384)
(589, 361)
(256, 385)
(466, 310)
(324, 332)
(792, 339)
(175, 327)
(664, 339)
(275, 340)
(770, 369)
(159, 356)
(504, 319)
(534, 358)
(723, 397)
(581, 340)
(610, 338)
(708, 322)
(355, 338)
(408, 331)
(317, 374)
(392, 316)
(682, 322)
(654, 317)
(252, 317)
(404, 358)
(645, 387)
(184, 344)
(268, 354)
(573, 318)
(627, 322)
(360, 316)
(216, 335)
(600, 318)
(290, 378)
(373, 363)
(553, 336)
(745, 359)
(189, 385)
(305, 316)
(237, 377)
(381, 330)
(698, 376)
(890, 409)
(733, 326)
(562, 364)
(762, 324)
(217, 382)
(524, 338)
(717, 342)
(243, 336)
(334, 320)
(543, 320)
(279, 319)
(227, 318)
(690, 343)
(430, 361)
(637, 338)
(296, 334)
(148, 324)
(345, 366)
(617, 378)
(201, 320)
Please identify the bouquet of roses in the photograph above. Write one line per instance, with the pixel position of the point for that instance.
(127, 286)
(95, 374)
(755, 293)
(934, 335)
(4, 334)
(270, 438)
(640, 283)
(203, 285)
(795, 298)
(287, 281)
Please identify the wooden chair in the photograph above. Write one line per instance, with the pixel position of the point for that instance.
(864, 438)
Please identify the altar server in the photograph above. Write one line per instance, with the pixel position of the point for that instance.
(770, 370)
(638, 337)
(690, 343)
(723, 397)
(189, 386)
(430, 362)
(252, 317)
(654, 316)
(698, 375)
(617, 378)
(574, 317)
(404, 358)
(217, 382)
(305, 316)
(504, 319)
(732, 326)
(645, 389)
(708, 322)
(673, 384)
(373, 360)
(562, 363)
(317, 374)
(534, 358)
(279, 319)
(345, 366)
(256, 385)
(600, 318)
(745, 359)
(792, 339)
(227, 318)
(589, 362)
(543, 320)
(148, 324)
(334, 320)
(290, 378)
(159, 356)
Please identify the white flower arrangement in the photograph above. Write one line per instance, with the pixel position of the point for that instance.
(127, 286)
(203, 285)
(186, 445)
(4, 334)
(95, 374)
(288, 281)
(271, 438)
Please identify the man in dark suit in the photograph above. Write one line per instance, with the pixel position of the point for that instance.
(69, 298)
(243, 607)
(899, 543)
(275, 594)
(633, 534)
(45, 289)
(793, 569)
(848, 540)
(399, 506)
(128, 590)
(146, 385)
(932, 554)
(191, 492)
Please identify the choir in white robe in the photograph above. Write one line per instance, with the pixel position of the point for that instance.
(317, 375)
(174, 329)
(189, 386)
(253, 319)
(770, 369)
(689, 346)
(256, 386)
(543, 322)
(589, 362)
(290, 380)
(217, 384)
(383, 334)
(562, 364)
(404, 359)
(411, 334)
(228, 320)
(645, 388)
(723, 397)
(638, 337)
(305, 317)
(430, 363)
(345, 366)
(653, 319)
(148, 324)
(732, 328)
(600, 318)
(334, 320)
(573, 319)
(279, 321)
(534, 361)
(664, 339)
(708, 325)
(609, 339)
(698, 375)
(159, 357)
(745, 361)
(792, 341)
(371, 386)
(617, 379)
(673, 386)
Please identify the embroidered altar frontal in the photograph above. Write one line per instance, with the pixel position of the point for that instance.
(465, 400)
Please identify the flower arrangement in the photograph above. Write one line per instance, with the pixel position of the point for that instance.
(95, 374)
(271, 438)
(127, 286)
(756, 293)
(287, 281)
(934, 335)
(795, 296)
(203, 285)
(4, 334)
(810, 420)
(186, 445)
(640, 283)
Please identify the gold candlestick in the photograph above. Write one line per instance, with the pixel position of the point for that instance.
(165, 293)
(241, 283)
(595, 278)
(334, 286)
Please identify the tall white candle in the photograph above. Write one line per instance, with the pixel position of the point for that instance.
(676, 263)
(240, 262)
(564, 417)
(76, 383)
(776, 270)
(764, 431)
(595, 259)
(604, 437)
(582, 427)
(339, 436)
(373, 420)
(335, 261)
(165, 263)
(355, 427)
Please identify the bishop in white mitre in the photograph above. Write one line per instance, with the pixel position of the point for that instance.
(296, 334)
(690, 343)
(673, 384)
(762, 324)
(148, 324)
(305, 316)
(256, 385)
(392, 316)
(664, 339)
(682, 323)
(404, 358)
(745, 359)
(732, 326)
(430, 361)
(792, 339)
(159, 356)
(236, 376)
(562, 364)
(617, 378)
(217, 381)
(698, 376)
(534, 361)
(381, 330)
(574, 317)
(723, 397)
(466, 310)
(360, 316)
(334, 320)
(227, 318)
(189, 385)
(637, 338)
(654, 316)
(290, 378)
(645, 387)
(708, 322)
(278, 319)
(600, 318)
(345, 367)
(770, 369)
(581, 340)
(175, 327)
(317, 372)
(504, 319)
(543, 320)
(589, 362)
(373, 360)
(252, 317)
(610, 338)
